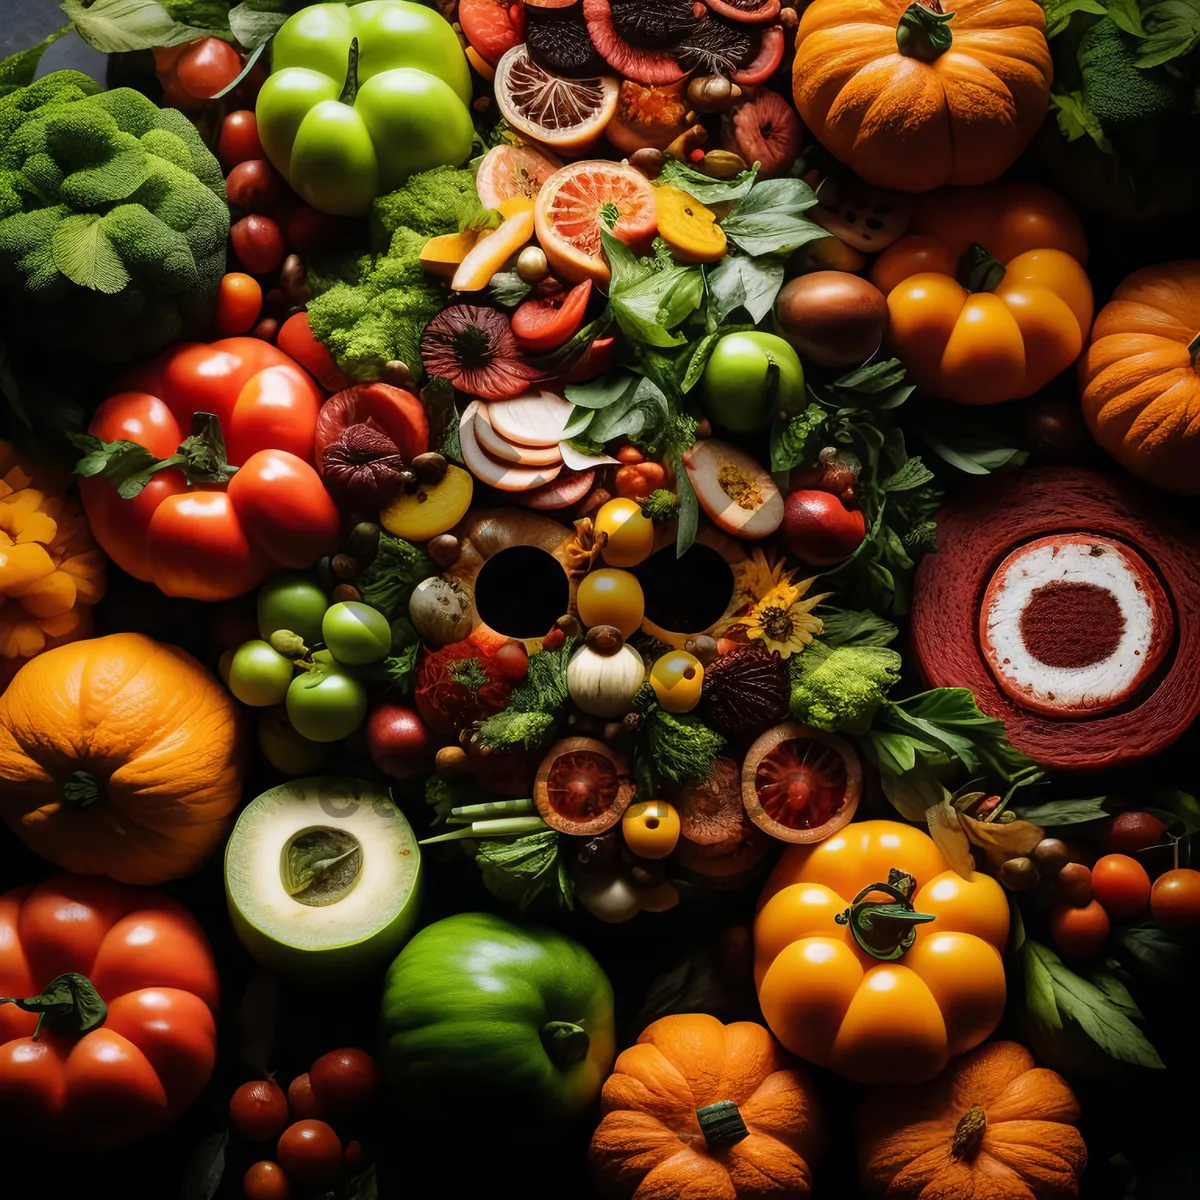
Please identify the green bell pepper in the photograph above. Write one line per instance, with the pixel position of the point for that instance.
(362, 97)
(500, 1026)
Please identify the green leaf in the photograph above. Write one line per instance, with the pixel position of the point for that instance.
(520, 870)
(689, 506)
(790, 438)
(845, 627)
(1059, 12)
(402, 667)
(69, 1001)
(913, 474)
(703, 187)
(1182, 806)
(508, 289)
(742, 281)
(202, 1176)
(974, 455)
(646, 301)
(1105, 977)
(1056, 813)
(770, 218)
(872, 378)
(254, 22)
(1076, 120)
(702, 352)
(126, 465)
(1172, 30)
(1152, 950)
(248, 66)
(601, 392)
(1126, 15)
(83, 253)
(18, 70)
(112, 26)
(1039, 989)
(641, 413)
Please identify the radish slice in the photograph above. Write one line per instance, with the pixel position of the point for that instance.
(584, 462)
(490, 442)
(536, 418)
(505, 477)
(561, 493)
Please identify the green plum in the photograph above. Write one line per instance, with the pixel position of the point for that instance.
(258, 674)
(356, 633)
(750, 378)
(325, 704)
(292, 601)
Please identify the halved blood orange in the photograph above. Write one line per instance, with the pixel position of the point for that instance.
(578, 201)
(508, 171)
(567, 115)
(582, 787)
(492, 26)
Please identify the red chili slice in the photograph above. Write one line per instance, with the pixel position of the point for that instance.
(542, 325)
(765, 63)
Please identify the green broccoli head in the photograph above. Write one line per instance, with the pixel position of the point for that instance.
(433, 202)
(1122, 95)
(113, 221)
(838, 688)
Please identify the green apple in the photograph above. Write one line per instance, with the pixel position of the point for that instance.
(751, 378)
(291, 601)
(259, 675)
(356, 633)
(325, 704)
(323, 879)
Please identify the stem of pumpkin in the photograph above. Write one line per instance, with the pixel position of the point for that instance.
(82, 789)
(924, 31)
(978, 271)
(885, 929)
(968, 1133)
(1194, 351)
(722, 1124)
(565, 1043)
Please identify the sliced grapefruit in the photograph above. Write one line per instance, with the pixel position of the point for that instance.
(490, 442)
(536, 418)
(567, 115)
(503, 476)
(575, 203)
(508, 171)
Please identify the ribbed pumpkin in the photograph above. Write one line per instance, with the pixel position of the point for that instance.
(120, 756)
(992, 1126)
(913, 97)
(51, 571)
(701, 1109)
(1139, 375)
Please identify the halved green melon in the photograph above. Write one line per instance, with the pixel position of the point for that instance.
(322, 878)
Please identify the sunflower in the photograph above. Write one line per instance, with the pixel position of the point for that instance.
(759, 576)
(783, 619)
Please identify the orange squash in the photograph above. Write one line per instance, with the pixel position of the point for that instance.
(986, 292)
(120, 757)
(51, 572)
(912, 96)
(993, 1126)
(1141, 390)
(697, 1108)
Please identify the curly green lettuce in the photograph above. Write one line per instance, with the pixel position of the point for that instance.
(839, 688)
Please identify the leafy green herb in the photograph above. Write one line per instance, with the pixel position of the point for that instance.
(1057, 813)
(790, 437)
(534, 705)
(1059, 12)
(508, 289)
(113, 26)
(442, 797)
(650, 299)
(679, 748)
(521, 870)
(770, 219)
(743, 281)
(661, 505)
(846, 627)
(970, 453)
(1172, 29)
(401, 667)
(388, 582)
(69, 1001)
(1151, 950)
(641, 413)
(703, 187)
(1076, 120)
(509, 730)
(469, 672)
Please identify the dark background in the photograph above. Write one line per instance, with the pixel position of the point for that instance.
(692, 958)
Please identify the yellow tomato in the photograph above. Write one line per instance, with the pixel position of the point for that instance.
(651, 828)
(610, 597)
(677, 678)
(629, 532)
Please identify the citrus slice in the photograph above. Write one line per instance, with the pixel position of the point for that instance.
(508, 171)
(491, 252)
(690, 229)
(503, 476)
(490, 442)
(581, 199)
(568, 115)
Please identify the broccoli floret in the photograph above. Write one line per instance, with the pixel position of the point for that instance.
(838, 688)
(1118, 92)
(113, 221)
(434, 202)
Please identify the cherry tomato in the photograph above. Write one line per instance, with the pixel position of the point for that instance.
(239, 302)
(266, 1181)
(296, 340)
(512, 661)
(1175, 899)
(310, 1154)
(629, 455)
(303, 1104)
(540, 325)
(207, 66)
(238, 141)
(254, 186)
(258, 1111)
(1079, 932)
(345, 1080)
(492, 26)
(638, 480)
(257, 243)
(1121, 884)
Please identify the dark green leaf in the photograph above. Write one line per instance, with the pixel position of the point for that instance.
(248, 66)
(844, 627)
(742, 281)
(702, 352)
(520, 870)
(18, 70)
(648, 302)
(601, 392)
(1126, 15)
(770, 218)
(790, 438)
(1075, 120)
(206, 1167)
(1057, 813)
(703, 187)
(1058, 13)
(1106, 977)
(913, 474)
(689, 506)
(557, 362)
(1153, 951)
(69, 1002)
(1172, 30)
(508, 289)
(1182, 806)
(872, 378)
(974, 455)
(253, 23)
(112, 26)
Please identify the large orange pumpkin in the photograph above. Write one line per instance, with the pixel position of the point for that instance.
(701, 1109)
(120, 757)
(991, 1127)
(1141, 391)
(986, 292)
(913, 97)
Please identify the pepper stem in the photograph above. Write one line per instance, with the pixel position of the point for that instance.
(924, 31)
(978, 271)
(886, 930)
(565, 1043)
(722, 1124)
(82, 789)
(350, 87)
(968, 1133)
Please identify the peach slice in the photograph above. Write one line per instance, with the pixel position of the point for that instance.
(433, 509)
(536, 418)
(503, 476)
(444, 255)
(492, 251)
(737, 493)
(490, 442)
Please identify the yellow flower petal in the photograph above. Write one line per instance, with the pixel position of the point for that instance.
(21, 567)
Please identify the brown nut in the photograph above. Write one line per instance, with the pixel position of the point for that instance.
(444, 549)
(429, 467)
(1075, 883)
(723, 164)
(345, 567)
(451, 763)
(1051, 855)
(1019, 874)
(604, 639)
(647, 160)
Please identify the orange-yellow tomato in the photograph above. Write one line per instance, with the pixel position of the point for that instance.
(628, 532)
(830, 1001)
(651, 828)
(677, 678)
(995, 340)
(611, 597)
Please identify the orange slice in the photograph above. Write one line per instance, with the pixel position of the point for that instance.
(507, 171)
(491, 252)
(567, 115)
(504, 477)
(524, 456)
(535, 418)
(575, 203)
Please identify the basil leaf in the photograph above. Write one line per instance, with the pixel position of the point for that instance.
(1058, 13)
(1076, 120)
(112, 26)
(1172, 30)
(770, 219)
(974, 455)
(601, 392)
(703, 187)
(790, 437)
(521, 870)
(740, 281)
(845, 627)
(641, 412)
(18, 70)
(648, 302)
(255, 22)
(1126, 15)
(1057, 813)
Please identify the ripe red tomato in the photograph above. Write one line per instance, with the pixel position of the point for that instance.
(1121, 884)
(239, 302)
(541, 325)
(266, 1181)
(512, 661)
(344, 1080)
(310, 1154)
(254, 186)
(1079, 932)
(258, 1111)
(238, 141)
(302, 1102)
(1175, 899)
(207, 66)
(492, 26)
(257, 243)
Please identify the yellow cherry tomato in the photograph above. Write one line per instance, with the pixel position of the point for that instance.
(611, 597)
(629, 531)
(651, 828)
(677, 678)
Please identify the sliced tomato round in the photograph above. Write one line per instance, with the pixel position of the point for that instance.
(492, 26)
(541, 325)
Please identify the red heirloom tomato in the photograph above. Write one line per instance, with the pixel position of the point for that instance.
(196, 531)
(138, 1041)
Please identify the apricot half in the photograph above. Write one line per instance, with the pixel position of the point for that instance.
(434, 508)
